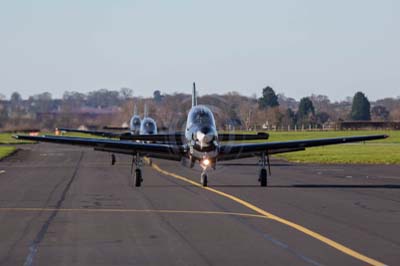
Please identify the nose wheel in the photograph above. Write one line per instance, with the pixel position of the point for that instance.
(204, 179)
(264, 161)
(137, 174)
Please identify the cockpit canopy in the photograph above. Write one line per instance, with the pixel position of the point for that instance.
(201, 116)
(135, 123)
(148, 126)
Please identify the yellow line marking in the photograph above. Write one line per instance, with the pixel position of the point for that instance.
(129, 211)
(271, 216)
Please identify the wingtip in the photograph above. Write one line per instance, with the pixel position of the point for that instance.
(385, 136)
(15, 136)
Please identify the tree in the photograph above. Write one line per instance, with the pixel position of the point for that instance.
(157, 96)
(322, 117)
(306, 112)
(379, 112)
(16, 97)
(288, 118)
(321, 102)
(103, 98)
(126, 93)
(269, 98)
(360, 109)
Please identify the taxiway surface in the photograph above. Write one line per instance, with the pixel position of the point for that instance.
(63, 205)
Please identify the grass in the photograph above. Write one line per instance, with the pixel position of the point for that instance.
(6, 138)
(385, 151)
(6, 150)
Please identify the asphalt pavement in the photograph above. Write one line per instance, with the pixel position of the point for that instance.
(64, 205)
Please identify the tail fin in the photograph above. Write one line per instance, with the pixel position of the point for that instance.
(145, 110)
(135, 109)
(194, 95)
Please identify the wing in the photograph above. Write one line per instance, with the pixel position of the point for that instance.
(92, 132)
(179, 137)
(236, 151)
(115, 128)
(164, 151)
(235, 137)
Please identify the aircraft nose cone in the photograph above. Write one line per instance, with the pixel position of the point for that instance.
(200, 136)
(204, 139)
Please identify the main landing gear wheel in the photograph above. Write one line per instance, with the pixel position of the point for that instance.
(263, 177)
(138, 178)
(204, 179)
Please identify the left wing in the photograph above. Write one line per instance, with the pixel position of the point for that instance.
(92, 132)
(164, 151)
(236, 151)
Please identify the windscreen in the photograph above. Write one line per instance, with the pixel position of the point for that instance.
(202, 117)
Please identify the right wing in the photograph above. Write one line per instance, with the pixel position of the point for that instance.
(236, 151)
(235, 137)
(163, 151)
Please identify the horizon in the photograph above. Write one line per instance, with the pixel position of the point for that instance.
(199, 94)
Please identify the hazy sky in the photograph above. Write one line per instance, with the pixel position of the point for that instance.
(297, 47)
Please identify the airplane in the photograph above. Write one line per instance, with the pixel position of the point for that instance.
(134, 124)
(201, 145)
(147, 126)
(146, 130)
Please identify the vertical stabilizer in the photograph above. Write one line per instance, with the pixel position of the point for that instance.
(194, 95)
(135, 110)
(145, 110)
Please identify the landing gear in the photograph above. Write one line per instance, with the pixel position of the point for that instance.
(204, 179)
(113, 160)
(263, 178)
(137, 175)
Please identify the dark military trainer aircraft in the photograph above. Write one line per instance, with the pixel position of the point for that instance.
(147, 126)
(201, 144)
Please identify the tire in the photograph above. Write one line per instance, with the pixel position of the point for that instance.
(263, 177)
(138, 178)
(204, 180)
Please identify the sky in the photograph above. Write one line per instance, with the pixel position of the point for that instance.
(299, 48)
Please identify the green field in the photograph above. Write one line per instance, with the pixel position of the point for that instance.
(6, 138)
(386, 151)
(6, 150)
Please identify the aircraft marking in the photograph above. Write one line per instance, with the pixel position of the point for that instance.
(250, 215)
(278, 219)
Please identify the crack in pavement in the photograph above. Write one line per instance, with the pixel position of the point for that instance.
(34, 246)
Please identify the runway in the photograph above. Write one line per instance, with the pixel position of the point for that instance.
(63, 205)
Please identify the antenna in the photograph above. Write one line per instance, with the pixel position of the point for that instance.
(145, 110)
(194, 95)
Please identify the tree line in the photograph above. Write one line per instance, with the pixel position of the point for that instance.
(232, 110)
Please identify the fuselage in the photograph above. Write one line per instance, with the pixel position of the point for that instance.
(148, 126)
(201, 134)
(134, 125)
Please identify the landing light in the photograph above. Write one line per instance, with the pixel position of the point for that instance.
(206, 162)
